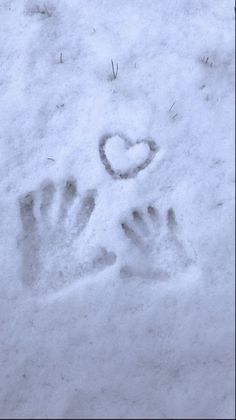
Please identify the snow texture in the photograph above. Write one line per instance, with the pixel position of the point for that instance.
(117, 209)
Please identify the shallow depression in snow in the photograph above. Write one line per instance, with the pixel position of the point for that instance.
(124, 157)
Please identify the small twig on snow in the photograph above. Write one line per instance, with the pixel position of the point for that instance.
(171, 106)
(114, 72)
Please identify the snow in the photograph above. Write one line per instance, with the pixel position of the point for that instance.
(122, 158)
(117, 210)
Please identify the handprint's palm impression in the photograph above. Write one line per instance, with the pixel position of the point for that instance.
(161, 253)
(51, 242)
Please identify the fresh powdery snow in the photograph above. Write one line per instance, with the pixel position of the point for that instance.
(117, 209)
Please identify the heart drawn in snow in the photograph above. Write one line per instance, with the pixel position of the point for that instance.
(124, 159)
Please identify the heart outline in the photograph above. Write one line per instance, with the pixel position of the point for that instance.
(133, 172)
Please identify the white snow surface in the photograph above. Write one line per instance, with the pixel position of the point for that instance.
(117, 281)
